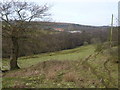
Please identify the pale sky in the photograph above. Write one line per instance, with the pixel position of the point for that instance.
(86, 12)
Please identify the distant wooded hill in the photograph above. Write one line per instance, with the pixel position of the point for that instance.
(68, 26)
(44, 38)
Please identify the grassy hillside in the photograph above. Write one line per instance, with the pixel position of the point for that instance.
(63, 69)
(71, 54)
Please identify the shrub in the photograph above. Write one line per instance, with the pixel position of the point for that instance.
(95, 40)
(113, 54)
(85, 43)
(98, 47)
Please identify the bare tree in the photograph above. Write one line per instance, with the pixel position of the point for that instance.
(16, 17)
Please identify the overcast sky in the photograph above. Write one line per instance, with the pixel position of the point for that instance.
(86, 12)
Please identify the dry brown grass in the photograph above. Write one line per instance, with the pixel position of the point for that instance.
(49, 68)
(70, 77)
(56, 66)
(51, 75)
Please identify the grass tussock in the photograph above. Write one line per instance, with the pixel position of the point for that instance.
(70, 77)
(47, 67)
(51, 75)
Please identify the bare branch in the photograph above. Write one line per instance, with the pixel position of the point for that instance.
(17, 15)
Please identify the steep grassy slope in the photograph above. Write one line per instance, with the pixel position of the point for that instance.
(62, 69)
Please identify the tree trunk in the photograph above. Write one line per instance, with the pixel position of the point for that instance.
(14, 54)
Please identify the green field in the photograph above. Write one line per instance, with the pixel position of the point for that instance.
(62, 69)
(71, 54)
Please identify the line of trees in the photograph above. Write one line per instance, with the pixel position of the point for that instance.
(40, 42)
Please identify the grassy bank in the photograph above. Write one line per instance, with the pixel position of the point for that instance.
(62, 69)
(71, 54)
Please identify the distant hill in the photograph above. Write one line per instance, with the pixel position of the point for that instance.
(68, 26)
(46, 37)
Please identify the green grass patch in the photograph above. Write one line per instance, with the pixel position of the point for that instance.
(71, 54)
